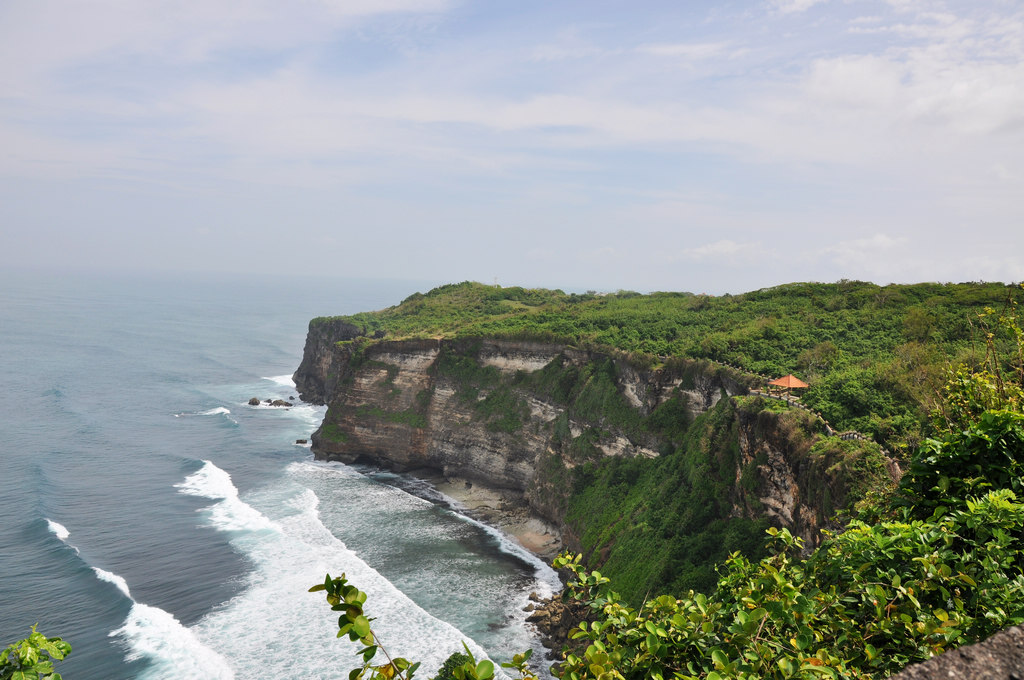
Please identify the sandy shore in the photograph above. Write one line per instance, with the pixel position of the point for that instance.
(505, 510)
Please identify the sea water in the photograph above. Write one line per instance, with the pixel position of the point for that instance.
(167, 529)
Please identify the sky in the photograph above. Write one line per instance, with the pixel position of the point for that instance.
(646, 145)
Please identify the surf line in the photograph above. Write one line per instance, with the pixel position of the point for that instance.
(154, 634)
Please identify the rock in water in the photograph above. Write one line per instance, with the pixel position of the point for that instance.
(255, 401)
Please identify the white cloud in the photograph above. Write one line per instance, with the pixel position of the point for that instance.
(790, 6)
(871, 246)
(686, 51)
(727, 250)
(910, 121)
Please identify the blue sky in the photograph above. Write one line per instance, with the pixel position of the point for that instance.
(703, 146)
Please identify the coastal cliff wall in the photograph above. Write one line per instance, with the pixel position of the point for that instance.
(470, 409)
(530, 417)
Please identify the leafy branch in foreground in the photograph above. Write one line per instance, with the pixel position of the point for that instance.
(352, 621)
(33, 657)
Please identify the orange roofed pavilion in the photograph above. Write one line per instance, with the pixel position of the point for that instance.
(790, 381)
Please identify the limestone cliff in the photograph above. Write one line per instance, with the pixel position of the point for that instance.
(523, 416)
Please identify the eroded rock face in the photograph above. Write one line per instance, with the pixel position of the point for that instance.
(778, 458)
(322, 360)
(393, 409)
(511, 356)
(1001, 657)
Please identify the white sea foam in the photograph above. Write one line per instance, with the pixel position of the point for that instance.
(111, 577)
(283, 380)
(154, 634)
(354, 505)
(309, 414)
(547, 578)
(546, 581)
(173, 650)
(219, 411)
(215, 411)
(59, 530)
(230, 514)
(275, 628)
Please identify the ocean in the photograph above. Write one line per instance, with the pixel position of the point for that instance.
(167, 529)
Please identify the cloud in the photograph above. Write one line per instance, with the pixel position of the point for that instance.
(877, 244)
(687, 51)
(572, 116)
(790, 6)
(725, 249)
(877, 256)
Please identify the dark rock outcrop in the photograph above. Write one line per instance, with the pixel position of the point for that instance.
(255, 401)
(322, 363)
(554, 618)
(1001, 657)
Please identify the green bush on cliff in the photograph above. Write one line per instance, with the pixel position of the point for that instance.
(447, 670)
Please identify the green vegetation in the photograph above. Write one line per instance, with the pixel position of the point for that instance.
(482, 387)
(33, 657)
(333, 432)
(408, 417)
(873, 355)
(447, 670)
(868, 602)
(937, 563)
(661, 525)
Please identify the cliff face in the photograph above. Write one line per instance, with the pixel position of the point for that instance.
(523, 416)
(322, 360)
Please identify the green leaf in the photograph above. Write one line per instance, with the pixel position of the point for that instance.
(484, 670)
(361, 626)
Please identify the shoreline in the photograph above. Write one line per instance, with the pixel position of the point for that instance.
(503, 509)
